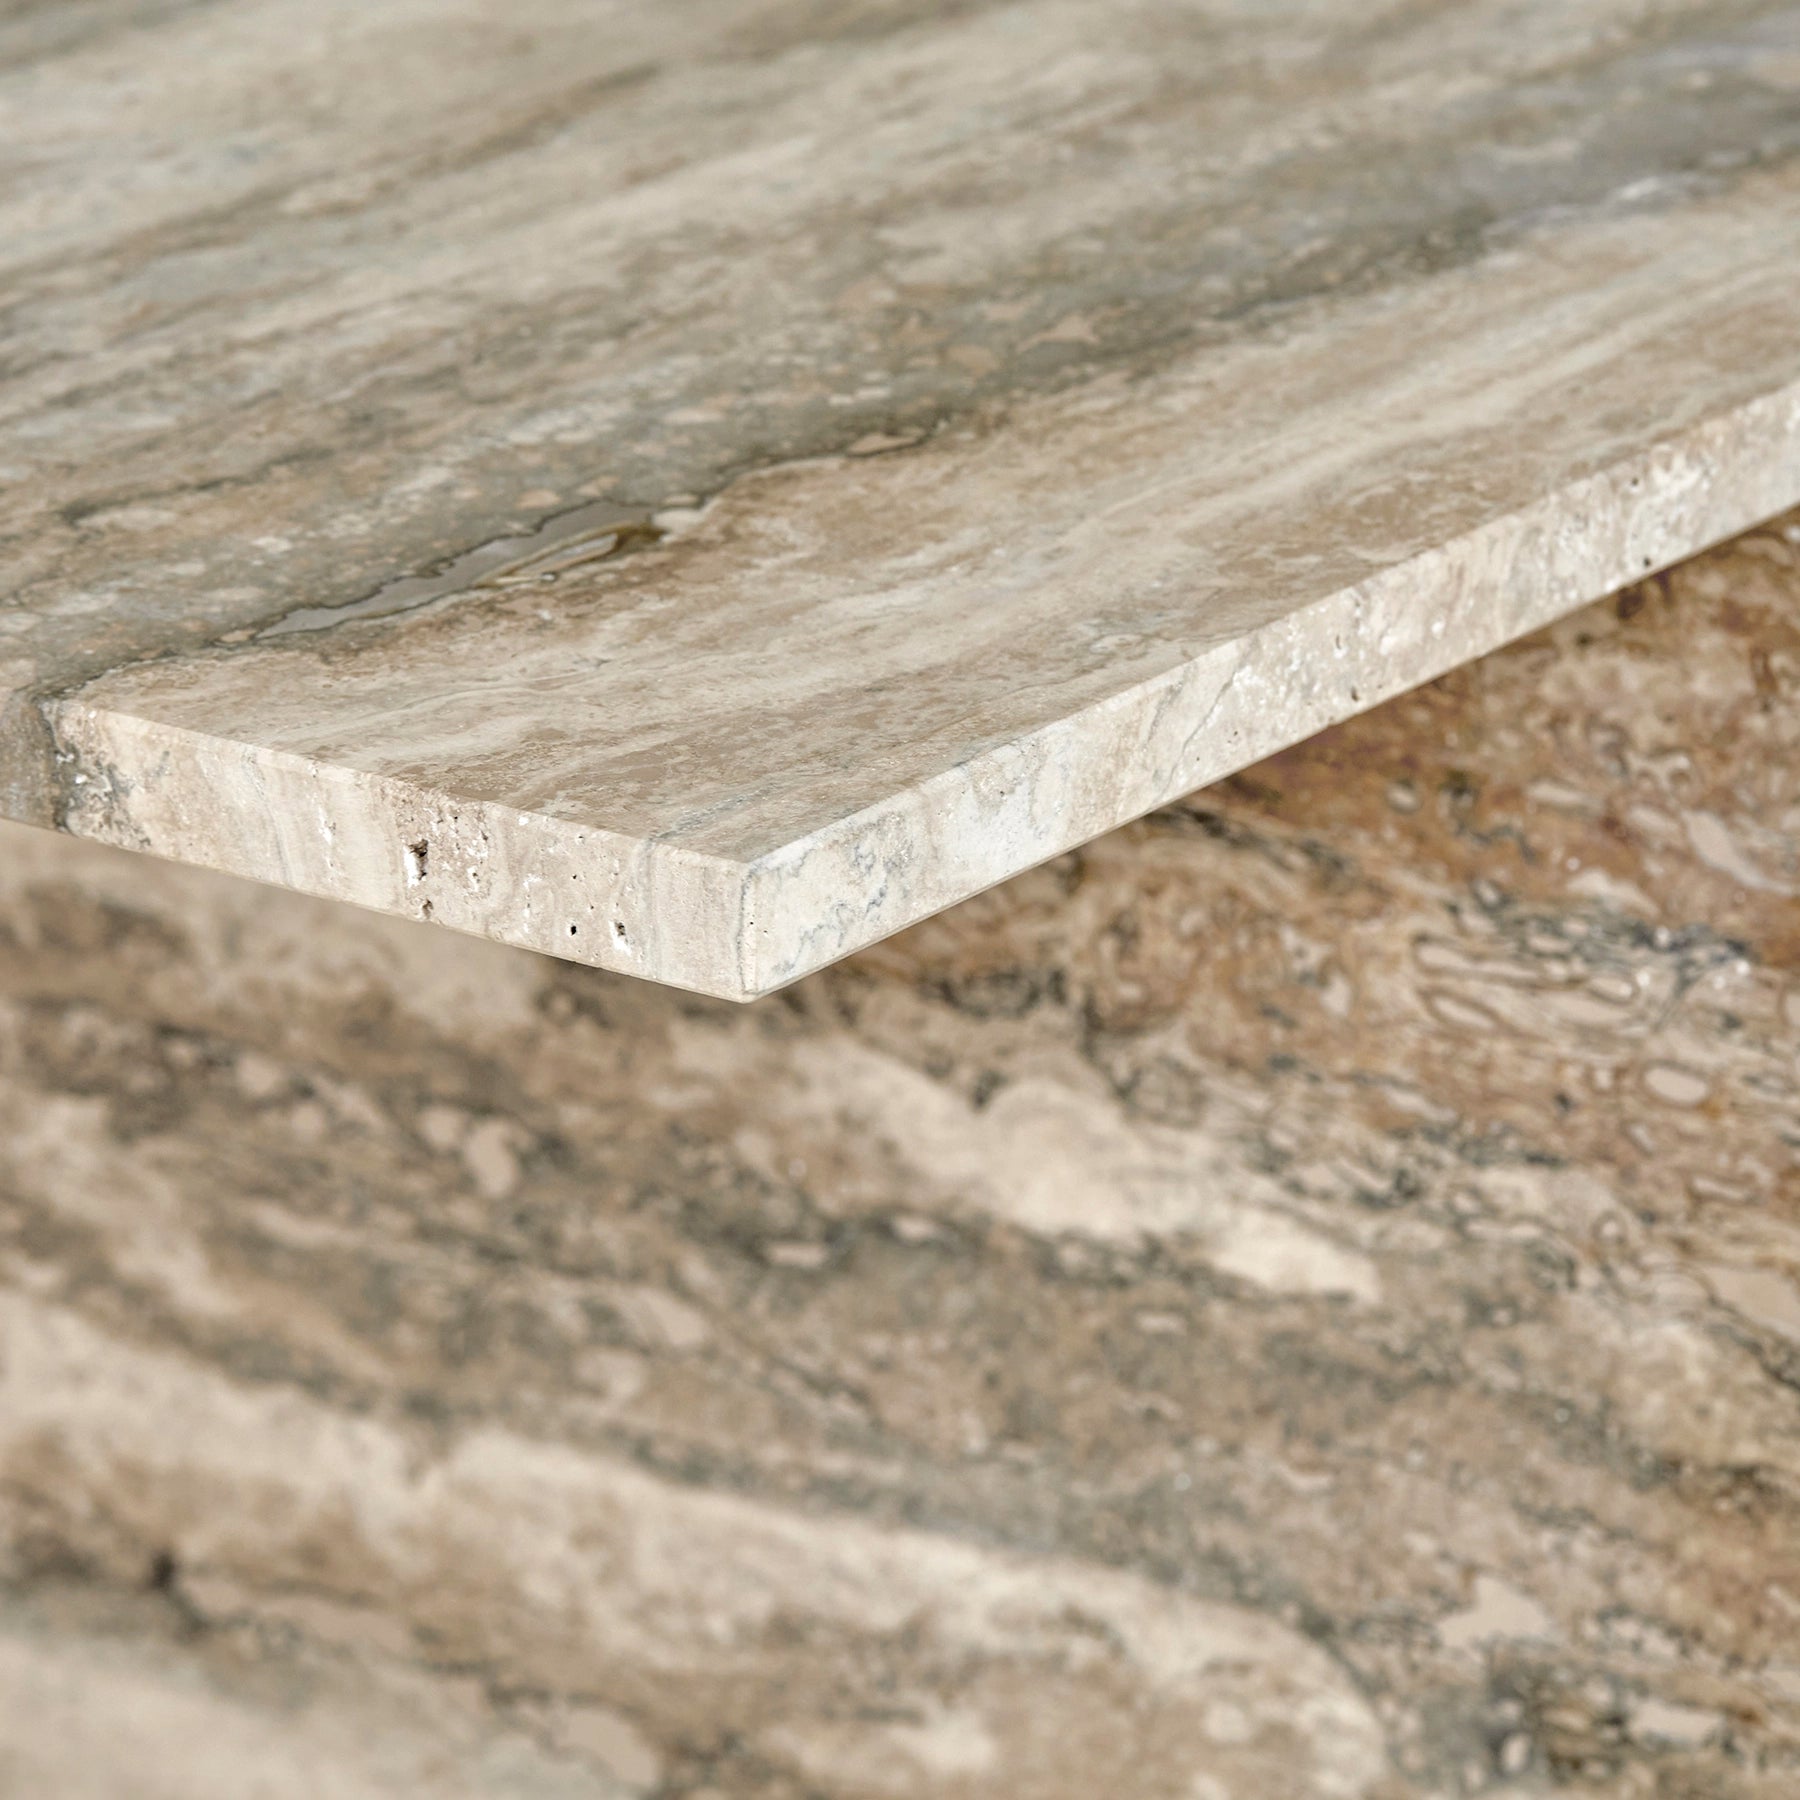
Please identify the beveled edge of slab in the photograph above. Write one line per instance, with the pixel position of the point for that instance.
(740, 929)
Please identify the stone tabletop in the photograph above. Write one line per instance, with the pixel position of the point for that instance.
(697, 488)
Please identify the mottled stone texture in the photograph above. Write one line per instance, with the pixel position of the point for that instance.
(1297, 1301)
(696, 488)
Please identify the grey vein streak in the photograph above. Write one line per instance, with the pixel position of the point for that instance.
(1015, 417)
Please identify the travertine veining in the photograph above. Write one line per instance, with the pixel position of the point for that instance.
(696, 488)
(1299, 1300)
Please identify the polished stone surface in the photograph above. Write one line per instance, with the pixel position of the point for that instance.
(1299, 1300)
(695, 488)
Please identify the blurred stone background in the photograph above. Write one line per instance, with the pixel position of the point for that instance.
(1299, 1299)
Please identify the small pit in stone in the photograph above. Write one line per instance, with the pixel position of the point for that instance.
(418, 859)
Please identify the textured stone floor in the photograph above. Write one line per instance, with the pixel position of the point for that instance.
(1297, 1301)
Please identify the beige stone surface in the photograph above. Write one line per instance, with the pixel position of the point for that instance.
(1298, 1299)
(695, 488)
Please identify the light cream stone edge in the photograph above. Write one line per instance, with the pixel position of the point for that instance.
(737, 930)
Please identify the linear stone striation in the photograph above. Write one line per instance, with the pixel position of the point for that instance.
(695, 489)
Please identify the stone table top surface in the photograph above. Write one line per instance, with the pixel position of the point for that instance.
(697, 488)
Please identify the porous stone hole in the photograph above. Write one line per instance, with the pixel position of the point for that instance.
(418, 859)
(619, 931)
(163, 1570)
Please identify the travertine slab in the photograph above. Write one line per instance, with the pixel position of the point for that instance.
(696, 488)
(1298, 1300)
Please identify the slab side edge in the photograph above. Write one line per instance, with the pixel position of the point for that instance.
(1026, 801)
